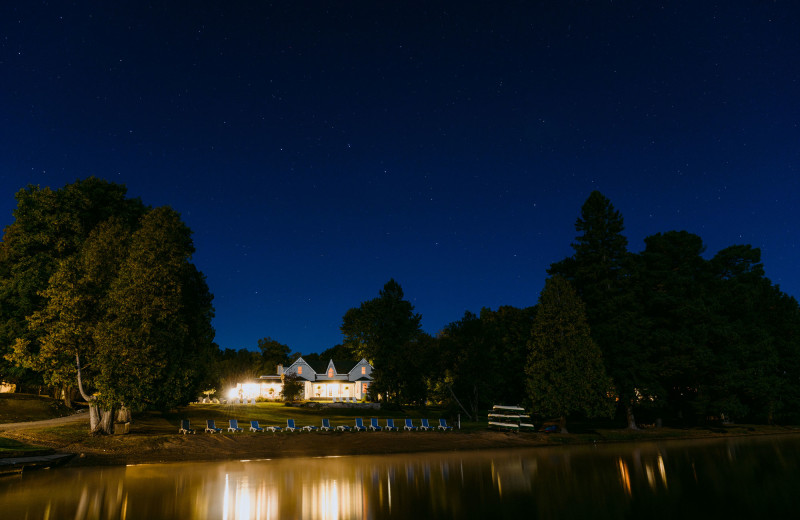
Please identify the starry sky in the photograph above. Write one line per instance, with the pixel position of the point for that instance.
(318, 149)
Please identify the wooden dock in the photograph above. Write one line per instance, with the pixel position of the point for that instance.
(16, 465)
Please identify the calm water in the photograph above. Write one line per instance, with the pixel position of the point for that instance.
(737, 478)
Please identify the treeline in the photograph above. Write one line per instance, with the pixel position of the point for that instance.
(664, 333)
(98, 296)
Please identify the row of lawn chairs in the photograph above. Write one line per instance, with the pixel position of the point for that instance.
(233, 426)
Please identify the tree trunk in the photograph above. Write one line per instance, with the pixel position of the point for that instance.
(631, 418)
(94, 417)
(66, 394)
(107, 421)
(100, 420)
(562, 424)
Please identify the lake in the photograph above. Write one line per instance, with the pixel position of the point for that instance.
(734, 477)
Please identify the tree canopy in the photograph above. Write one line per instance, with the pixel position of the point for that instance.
(387, 333)
(102, 282)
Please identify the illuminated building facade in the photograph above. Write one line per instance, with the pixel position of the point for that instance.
(349, 382)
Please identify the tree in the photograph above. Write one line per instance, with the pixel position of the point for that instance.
(601, 272)
(74, 304)
(752, 341)
(565, 367)
(273, 354)
(292, 387)
(507, 331)
(386, 332)
(157, 332)
(469, 355)
(674, 281)
(123, 312)
(49, 227)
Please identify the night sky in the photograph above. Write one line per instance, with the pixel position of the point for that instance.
(318, 149)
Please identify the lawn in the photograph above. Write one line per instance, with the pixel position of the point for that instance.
(11, 447)
(276, 414)
(28, 407)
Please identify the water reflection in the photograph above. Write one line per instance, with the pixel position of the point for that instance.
(693, 479)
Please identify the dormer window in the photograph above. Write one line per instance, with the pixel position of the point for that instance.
(330, 372)
(363, 371)
(299, 371)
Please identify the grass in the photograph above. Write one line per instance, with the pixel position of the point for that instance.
(276, 414)
(12, 447)
(28, 407)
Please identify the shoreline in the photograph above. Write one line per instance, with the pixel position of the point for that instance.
(157, 448)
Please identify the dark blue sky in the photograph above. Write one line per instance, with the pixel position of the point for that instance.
(319, 149)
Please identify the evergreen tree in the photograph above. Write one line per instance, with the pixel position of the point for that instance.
(601, 270)
(565, 367)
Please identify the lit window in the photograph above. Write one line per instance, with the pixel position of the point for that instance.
(363, 370)
(299, 371)
(330, 372)
(364, 390)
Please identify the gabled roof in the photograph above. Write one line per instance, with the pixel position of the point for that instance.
(341, 367)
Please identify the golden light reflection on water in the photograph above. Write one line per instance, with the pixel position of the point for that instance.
(610, 482)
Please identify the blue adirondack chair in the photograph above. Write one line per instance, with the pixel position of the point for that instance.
(443, 425)
(185, 428)
(360, 425)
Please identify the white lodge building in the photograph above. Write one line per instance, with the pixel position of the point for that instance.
(319, 383)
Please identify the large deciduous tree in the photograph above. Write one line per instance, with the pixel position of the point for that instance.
(565, 367)
(754, 341)
(674, 281)
(49, 226)
(124, 314)
(483, 358)
(387, 333)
